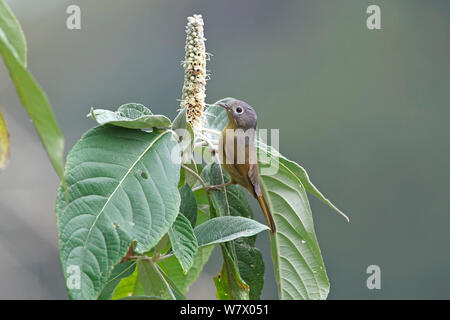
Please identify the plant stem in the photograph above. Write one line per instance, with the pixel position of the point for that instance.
(155, 258)
(196, 175)
(139, 258)
(164, 257)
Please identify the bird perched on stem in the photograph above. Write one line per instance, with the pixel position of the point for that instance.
(237, 152)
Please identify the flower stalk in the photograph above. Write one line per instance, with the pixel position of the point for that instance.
(194, 64)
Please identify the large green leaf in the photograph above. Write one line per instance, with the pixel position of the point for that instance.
(224, 229)
(4, 142)
(130, 115)
(299, 268)
(184, 242)
(115, 195)
(13, 51)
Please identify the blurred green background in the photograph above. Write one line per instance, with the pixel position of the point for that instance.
(365, 112)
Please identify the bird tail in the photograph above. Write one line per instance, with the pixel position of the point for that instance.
(267, 214)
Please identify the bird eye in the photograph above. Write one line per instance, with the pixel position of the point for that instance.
(239, 110)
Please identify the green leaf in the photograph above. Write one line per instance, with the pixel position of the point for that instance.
(130, 115)
(188, 206)
(223, 229)
(13, 51)
(11, 34)
(163, 245)
(184, 242)
(146, 281)
(251, 266)
(204, 210)
(229, 283)
(152, 280)
(232, 200)
(190, 179)
(121, 187)
(175, 291)
(129, 287)
(174, 270)
(4, 142)
(180, 121)
(299, 268)
(301, 174)
(121, 271)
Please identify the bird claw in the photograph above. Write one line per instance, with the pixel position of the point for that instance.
(215, 188)
(219, 187)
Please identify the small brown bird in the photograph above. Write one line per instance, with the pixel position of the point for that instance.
(238, 152)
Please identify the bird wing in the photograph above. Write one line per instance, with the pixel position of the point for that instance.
(253, 175)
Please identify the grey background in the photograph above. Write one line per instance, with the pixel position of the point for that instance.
(365, 112)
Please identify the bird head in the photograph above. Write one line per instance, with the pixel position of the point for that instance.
(240, 114)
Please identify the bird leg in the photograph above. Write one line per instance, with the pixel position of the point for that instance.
(220, 186)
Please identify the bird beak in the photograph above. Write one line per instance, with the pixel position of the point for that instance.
(223, 105)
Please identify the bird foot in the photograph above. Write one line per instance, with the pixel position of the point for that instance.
(219, 187)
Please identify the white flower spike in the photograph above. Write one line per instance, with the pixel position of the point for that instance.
(194, 65)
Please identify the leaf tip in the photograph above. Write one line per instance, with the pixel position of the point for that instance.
(91, 114)
(344, 215)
